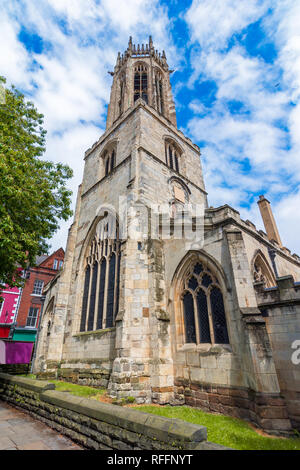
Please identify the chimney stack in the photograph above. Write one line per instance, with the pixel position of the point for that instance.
(268, 220)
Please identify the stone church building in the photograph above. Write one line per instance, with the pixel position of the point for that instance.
(162, 297)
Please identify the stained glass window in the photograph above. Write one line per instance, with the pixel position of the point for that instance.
(102, 277)
(218, 315)
(93, 297)
(85, 298)
(203, 317)
(189, 318)
(202, 292)
(111, 291)
(101, 293)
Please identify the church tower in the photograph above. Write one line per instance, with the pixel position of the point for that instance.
(141, 72)
(158, 296)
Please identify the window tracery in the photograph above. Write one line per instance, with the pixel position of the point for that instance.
(203, 307)
(101, 279)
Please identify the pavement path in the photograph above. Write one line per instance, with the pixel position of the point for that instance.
(19, 431)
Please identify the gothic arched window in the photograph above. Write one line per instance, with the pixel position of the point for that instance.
(172, 155)
(109, 159)
(203, 307)
(101, 282)
(262, 271)
(159, 92)
(122, 93)
(140, 87)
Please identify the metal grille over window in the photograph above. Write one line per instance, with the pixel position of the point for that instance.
(93, 297)
(203, 307)
(218, 315)
(189, 318)
(141, 82)
(101, 286)
(203, 317)
(85, 297)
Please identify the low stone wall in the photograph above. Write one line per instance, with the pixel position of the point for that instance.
(265, 410)
(97, 425)
(94, 373)
(15, 369)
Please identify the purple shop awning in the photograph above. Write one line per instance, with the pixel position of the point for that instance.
(12, 352)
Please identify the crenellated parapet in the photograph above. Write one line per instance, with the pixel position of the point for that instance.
(141, 51)
(285, 292)
(224, 215)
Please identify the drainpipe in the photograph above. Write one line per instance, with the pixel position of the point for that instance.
(38, 333)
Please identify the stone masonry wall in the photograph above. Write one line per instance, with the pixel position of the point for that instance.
(281, 306)
(100, 426)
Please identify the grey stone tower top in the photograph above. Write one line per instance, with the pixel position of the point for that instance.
(141, 73)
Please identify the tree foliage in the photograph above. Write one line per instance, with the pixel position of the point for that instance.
(33, 193)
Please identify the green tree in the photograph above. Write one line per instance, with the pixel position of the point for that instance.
(33, 193)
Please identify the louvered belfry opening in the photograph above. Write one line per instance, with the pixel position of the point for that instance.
(203, 307)
(172, 155)
(100, 301)
(141, 82)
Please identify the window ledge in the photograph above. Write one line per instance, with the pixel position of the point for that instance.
(94, 333)
(206, 348)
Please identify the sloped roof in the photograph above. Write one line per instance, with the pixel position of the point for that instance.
(39, 259)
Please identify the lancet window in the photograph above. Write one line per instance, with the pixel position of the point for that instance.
(159, 92)
(141, 82)
(100, 301)
(109, 161)
(172, 154)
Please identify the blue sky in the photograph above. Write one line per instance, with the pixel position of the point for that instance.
(236, 86)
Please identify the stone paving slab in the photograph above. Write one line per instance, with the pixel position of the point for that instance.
(19, 431)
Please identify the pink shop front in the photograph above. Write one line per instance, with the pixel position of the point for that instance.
(12, 351)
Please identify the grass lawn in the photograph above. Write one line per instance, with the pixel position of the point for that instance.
(74, 389)
(78, 390)
(230, 432)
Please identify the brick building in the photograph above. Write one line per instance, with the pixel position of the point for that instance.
(36, 279)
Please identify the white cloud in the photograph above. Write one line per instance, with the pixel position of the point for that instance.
(14, 57)
(68, 80)
(251, 130)
(213, 22)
